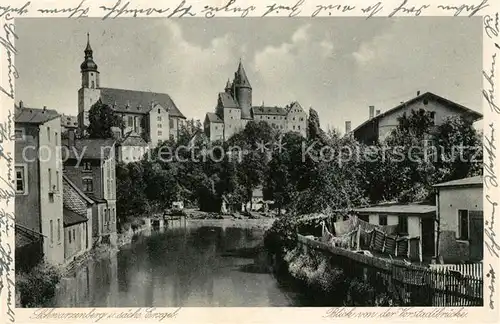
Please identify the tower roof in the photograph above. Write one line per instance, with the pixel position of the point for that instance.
(88, 64)
(241, 77)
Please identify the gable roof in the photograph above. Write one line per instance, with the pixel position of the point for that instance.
(133, 141)
(476, 181)
(74, 199)
(34, 115)
(427, 95)
(90, 148)
(261, 110)
(139, 102)
(227, 101)
(213, 118)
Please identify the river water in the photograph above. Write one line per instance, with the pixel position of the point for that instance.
(191, 266)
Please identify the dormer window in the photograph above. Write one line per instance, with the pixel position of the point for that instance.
(159, 111)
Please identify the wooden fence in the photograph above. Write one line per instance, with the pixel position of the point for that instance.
(411, 285)
(471, 270)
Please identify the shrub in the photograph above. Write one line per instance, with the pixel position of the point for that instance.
(38, 286)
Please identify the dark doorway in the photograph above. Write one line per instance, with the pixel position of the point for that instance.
(428, 237)
(476, 235)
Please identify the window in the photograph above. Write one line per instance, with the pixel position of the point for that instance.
(48, 133)
(403, 224)
(21, 180)
(382, 220)
(130, 121)
(51, 231)
(159, 125)
(74, 236)
(463, 224)
(298, 127)
(57, 180)
(135, 124)
(69, 236)
(87, 166)
(158, 118)
(56, 138)
(92, 84)
(19, 134)
(88, 185)
(159, 111)
(160, 133)
(432, 115)
(58, 230)
(172, 137)
(171, 122)
(50, 179)
(293, 126)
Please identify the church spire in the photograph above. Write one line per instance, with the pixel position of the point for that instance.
(241, 77)
(88, 49)
(88, 64)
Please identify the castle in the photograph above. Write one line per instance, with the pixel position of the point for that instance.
(149, 118)
(234, 110)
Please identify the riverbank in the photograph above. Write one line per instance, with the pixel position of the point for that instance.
(262, 223)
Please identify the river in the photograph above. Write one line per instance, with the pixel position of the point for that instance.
(197, 265)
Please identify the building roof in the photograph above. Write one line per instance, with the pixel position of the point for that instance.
(241, 77)
(261, 110)
(69, 121)
(139, 102)
(400, 209)
(72, 195)
(133, 141)
(227, 101)
(97, 149)
(97, 200)
(71, 218)
(427, 95)
(465, 182)
(34, 115)
(213, 118)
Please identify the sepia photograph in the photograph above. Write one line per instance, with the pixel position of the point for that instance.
(258, 162)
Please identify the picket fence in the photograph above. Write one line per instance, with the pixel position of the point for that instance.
(471, 270)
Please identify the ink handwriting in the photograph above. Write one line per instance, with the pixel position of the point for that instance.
(490, 177)
(491, 30)
(6, 42)
(292, 10)
(489, 94)
(330, 8)
(6, 266)
(492, 245)
(6, 11)
(210, 11)
(76, 12)
(372, 10)
(491, 287)
(118, 10)
(408, 10)
(472, 8)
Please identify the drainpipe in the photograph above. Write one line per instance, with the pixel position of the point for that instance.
(438, 230)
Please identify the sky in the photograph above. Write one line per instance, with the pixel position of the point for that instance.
(337, 66)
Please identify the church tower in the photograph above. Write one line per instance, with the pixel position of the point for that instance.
(90, 92)
(243, 92)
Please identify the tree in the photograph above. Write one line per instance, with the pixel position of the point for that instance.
(101, 120)
(251, 173)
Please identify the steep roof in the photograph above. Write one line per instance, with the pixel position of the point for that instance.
(90, 148)
(73, 198)
(71, 218)
(139, 102)
(241, 77)
(213, 118)
(133, 141)
(227, 100)
(261, 110)
(429, 96)
(476, 181)
(34, 115)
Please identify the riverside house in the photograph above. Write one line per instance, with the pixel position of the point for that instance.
(460, 220)
(379, 125)
(90, 165)
(39, 198)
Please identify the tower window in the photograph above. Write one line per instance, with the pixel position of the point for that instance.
(92, 85)
(159, 111)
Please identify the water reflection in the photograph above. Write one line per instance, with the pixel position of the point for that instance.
(204, 266)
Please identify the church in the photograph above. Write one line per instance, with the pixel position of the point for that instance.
(234, 110)
(149, 118)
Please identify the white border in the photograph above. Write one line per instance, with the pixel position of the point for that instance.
(91, 8)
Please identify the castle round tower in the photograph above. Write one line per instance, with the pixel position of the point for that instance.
(243, 92)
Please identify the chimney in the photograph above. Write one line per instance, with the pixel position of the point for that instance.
(418, 93)
(21, 105)
(372, 111)
(348, 126)
(71, 137)
(44, 109)
(377, 112)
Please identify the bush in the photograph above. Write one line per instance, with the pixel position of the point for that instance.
(37, 287)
